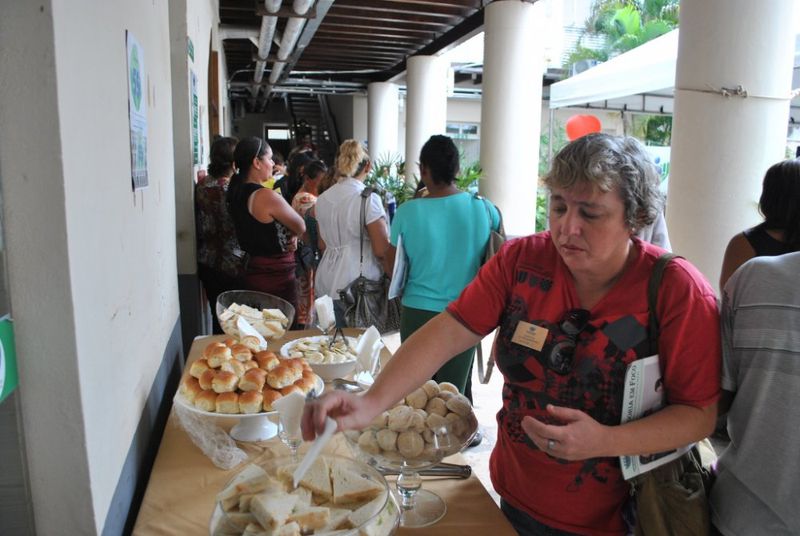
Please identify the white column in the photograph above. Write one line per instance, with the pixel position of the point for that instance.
(383, 117)
(426, 106)
(513, 63)
(721, 146)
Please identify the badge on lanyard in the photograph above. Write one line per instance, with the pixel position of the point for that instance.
(530, 335)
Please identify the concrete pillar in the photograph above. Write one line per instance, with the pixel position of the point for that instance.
(513, 63)
(383, 119)
(722, 145)
(426, 106)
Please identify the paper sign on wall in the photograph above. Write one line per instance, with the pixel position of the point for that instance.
(8, 359)
(137, 111)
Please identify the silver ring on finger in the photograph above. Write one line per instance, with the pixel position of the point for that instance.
(551, 443)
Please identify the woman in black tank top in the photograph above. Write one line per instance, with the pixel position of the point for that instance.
(779, 233)
(266, 225)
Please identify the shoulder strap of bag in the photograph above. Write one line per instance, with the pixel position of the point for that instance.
(652, 299)
(365, 193)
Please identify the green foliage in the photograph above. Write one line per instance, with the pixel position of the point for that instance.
(387, 176)
(583, 53)
(467, 179)
(626, 24)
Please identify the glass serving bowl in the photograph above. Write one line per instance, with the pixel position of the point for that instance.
(381, 519)
(254, 299)
(420, 508)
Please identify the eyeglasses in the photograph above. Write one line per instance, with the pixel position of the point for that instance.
(561, 352)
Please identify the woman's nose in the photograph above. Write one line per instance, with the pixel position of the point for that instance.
(571, 223)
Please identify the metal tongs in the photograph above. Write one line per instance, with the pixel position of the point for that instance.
(442, 469)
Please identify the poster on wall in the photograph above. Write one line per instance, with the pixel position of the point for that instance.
(8, 359)
(137, 112)
(195, 120)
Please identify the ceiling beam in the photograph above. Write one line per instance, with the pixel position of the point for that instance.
(458, 33)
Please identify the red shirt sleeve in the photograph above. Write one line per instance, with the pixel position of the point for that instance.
(482, 302)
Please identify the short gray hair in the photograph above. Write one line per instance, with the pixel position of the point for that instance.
(608, 162)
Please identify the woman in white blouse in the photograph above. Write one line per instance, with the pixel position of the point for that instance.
(338, 213)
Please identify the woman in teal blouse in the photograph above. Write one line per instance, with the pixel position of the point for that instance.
(444, 238)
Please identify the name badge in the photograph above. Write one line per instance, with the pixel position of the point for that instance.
(530, 335)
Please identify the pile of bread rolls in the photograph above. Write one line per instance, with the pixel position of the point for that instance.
(431, 422)
(235, 377)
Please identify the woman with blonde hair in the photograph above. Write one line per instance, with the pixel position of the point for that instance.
(350, 247)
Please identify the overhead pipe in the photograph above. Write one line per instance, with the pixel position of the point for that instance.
(268, 24)
(294, 26)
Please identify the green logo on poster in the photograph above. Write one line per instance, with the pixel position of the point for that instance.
(136, 78)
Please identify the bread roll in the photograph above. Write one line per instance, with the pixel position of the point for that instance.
(445, 395)
(457, 424)
(417, 422)
(283, 376)
(431, 388)
(436, 405)
(417, 399)
(400, 418)
(206, 379)
(449, 387)
(190, 388)
(240, 352)
(218, 355)
(224, 382)
(253, 380)
(250, 365)
(435, 422)
(198, 367)
(380, 421)
(212, 347)
(228, 403)
(410, 444)
(231, 365)
(460, 404)
(206, 401)
(251, 402)
(368, 442)
(251, 342)
(309, 374)
(270, 396)
(267, 360)
(229, 342)
(289, 389)
(295, 364)
(306, 385)
(387, 439)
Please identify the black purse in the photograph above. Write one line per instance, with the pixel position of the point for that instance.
(366, 301)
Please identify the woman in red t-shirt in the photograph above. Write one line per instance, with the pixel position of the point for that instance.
(570, 306)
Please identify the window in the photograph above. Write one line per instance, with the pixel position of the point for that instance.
(464, 131)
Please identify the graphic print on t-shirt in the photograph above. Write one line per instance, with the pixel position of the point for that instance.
(603, 349)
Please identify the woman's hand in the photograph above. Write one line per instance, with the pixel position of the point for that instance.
(579, 437)
(350, 412)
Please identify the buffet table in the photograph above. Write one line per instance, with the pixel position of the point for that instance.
(180, 494)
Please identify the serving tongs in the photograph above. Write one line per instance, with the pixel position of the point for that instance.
(444, 469)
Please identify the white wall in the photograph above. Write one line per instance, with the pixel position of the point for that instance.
(91, 264)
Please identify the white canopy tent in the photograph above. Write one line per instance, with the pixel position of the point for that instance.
(642, 80)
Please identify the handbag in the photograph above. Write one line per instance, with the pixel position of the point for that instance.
(496, 239)
(366, 301)
(671, 499)
(308, 254)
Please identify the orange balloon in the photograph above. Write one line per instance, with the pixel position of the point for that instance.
(581, 125)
